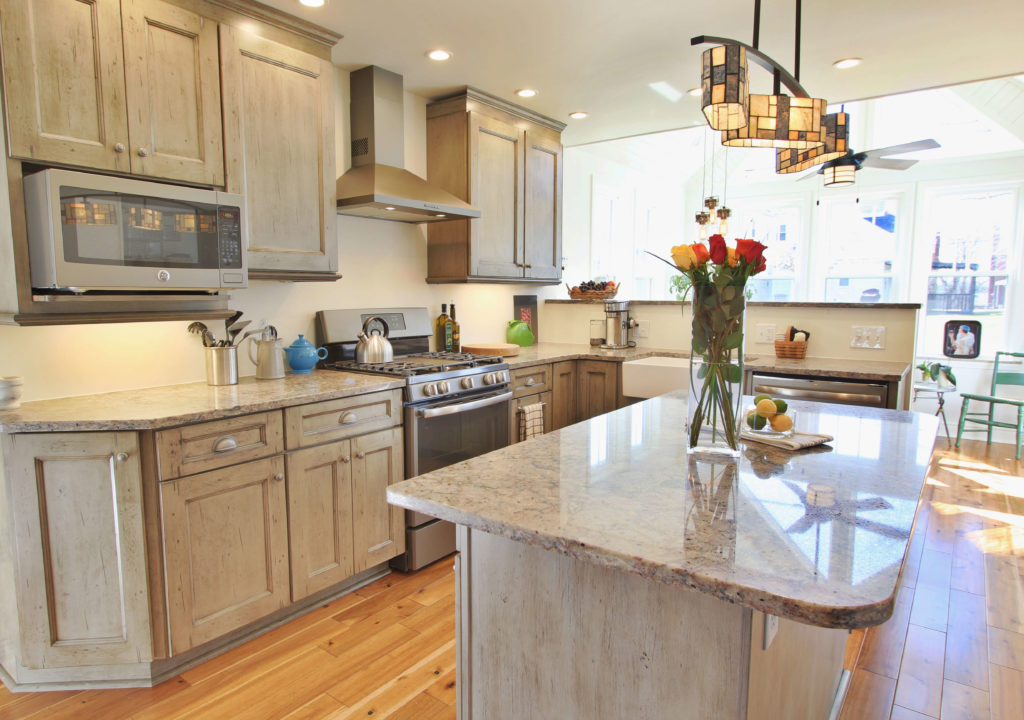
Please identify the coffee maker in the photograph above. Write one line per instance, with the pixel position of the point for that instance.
(617, 323)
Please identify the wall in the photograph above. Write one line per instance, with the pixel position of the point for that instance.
(383, 264)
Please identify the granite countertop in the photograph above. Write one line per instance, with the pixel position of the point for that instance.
(829, 367)
(546, 352)
(620, 491)
(160, 407)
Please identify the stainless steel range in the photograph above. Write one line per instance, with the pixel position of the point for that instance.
(456, 406)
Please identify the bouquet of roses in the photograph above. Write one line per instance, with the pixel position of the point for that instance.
(718, 274)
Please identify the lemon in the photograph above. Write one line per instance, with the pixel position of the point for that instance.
(759, 398)
(781, 406)
(755, 421)
(781, 423)
(766, 408)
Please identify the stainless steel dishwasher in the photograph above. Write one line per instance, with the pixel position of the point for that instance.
(842, 392)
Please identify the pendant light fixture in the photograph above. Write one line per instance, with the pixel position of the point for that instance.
(723, 80)
(840, 172)
(836, 129)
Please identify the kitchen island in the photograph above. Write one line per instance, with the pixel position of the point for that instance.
(604, 573)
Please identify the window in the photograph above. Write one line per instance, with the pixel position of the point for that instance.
(780, 227)
(965, 248)
(861, 245)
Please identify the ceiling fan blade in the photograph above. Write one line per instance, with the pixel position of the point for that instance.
(808, 176)
(888, 163)
(928, 144)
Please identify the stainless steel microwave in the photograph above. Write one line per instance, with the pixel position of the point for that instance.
(94, 233)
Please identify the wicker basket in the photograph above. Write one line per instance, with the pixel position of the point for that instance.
(575, 294)
(791, 349)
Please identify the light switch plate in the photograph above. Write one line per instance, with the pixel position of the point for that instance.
(765, 334)
(870, 337)
(771, 629)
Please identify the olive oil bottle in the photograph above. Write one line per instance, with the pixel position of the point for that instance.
(456, 335)
(442, 330)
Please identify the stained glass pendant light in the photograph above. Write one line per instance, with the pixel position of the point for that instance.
(780, 121)
(723, 79)
(836, 127)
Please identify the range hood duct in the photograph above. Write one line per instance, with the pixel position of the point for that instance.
(377, 186)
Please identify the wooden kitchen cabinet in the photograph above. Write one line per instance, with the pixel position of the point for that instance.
(598, 387)
(225, 549)
(523, 401)
(564, 390)
(320, 530)
(80, 566)
(279, 145)
(506, 161)
(130, 86)
(378, 528)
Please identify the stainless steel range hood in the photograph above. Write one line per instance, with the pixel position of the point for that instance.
(377, 186)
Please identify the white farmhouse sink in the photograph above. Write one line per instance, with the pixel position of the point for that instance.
(655, 376)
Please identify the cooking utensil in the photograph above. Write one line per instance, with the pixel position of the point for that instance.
(273, 332)
(374, 347)
(236, 328)
(200, 329)
(238, 340)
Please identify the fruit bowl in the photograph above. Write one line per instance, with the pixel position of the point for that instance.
(775, 421)
(591, 290)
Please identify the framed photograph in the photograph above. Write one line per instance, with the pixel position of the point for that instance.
(524, 307)
(962, 339)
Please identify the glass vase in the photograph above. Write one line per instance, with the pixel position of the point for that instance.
(716, 369)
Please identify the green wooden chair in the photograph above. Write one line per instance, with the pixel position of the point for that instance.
(999, 377)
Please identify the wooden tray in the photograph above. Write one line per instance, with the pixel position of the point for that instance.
(591, 294)
(502, 349)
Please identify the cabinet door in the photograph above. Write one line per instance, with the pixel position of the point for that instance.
(564, 394)
(172, 81)
(542, 207)
(496, 185)
(319, 517)
(279, 149)
(519, 402)
(378, 528)
(598, 387)
(64, 80)
(225, 549)
(82, 592)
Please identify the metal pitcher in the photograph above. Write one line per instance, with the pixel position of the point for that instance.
(373, 346)
(268, 357)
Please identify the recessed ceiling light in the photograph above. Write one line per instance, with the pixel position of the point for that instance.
(313, 3)
(526, 92)
(695, 92)
(846, 63)
(439, 55)
(578, 115)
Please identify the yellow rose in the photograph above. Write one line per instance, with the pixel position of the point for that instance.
(731, 256)
(684, 257)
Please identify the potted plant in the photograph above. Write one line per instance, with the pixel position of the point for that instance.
(941, 374)
(925, 371)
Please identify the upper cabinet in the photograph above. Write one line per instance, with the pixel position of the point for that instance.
(128, 86)
(279, 131)
(507, 162)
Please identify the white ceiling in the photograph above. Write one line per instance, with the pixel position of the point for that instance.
(602, 55)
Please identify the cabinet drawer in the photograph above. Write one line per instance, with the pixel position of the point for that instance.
(346, 417)
(207, 446)
(521, 402)
(531, 380)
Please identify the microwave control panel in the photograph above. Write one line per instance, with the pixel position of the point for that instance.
(229, 236)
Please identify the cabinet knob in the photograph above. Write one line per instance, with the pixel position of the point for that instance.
(225, 444)
(527, 266)
(348, 418)
(121, 457)
(360, 455)
(279, 477)
(142, 152)
(119, 147)
(347, 459)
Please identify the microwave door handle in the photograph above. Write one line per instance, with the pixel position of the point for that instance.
(464, 407)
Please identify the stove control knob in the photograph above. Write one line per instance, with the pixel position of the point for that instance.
(488, 378)
(430, 390)
(467, 383)
(503, 376)
(444, 387)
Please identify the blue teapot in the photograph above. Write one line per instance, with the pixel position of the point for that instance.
(302, 356)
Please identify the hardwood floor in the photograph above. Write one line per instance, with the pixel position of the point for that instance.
(954, 648)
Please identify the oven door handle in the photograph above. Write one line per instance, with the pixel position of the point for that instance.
(464, 407)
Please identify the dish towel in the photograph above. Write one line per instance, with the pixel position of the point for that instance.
(531, 421)
(796, 441)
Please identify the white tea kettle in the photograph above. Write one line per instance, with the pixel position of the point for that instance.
(373, 346)
(267, 355)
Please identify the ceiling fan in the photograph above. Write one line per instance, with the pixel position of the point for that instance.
(841, 170)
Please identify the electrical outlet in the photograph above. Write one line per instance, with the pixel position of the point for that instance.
(870, 337)
(765, 334)
(640, 329)
(771, 629)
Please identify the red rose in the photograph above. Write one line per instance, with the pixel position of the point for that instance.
(700, 251)
(751, 250)
(719, 253)
(761, 268)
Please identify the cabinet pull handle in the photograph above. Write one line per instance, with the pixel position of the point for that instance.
(530, 382)
(121, 457)
(279, 477)
(347, 459)
(119, 147)
(142, 152)
(225, 444)
(527, 266)
(360, 454)
(348, 418)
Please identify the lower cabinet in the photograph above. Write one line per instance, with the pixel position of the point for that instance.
(76, 526)
(563, 394)
(598, 387)
(520, 402)
(378, 528)
(225, 549)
